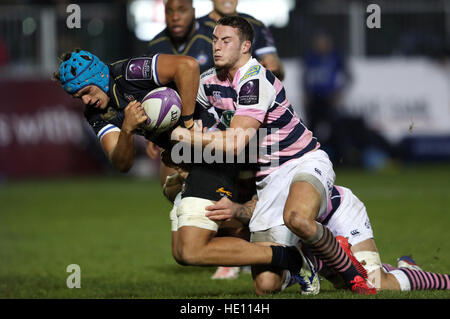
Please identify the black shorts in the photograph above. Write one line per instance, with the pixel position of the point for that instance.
(211, 181)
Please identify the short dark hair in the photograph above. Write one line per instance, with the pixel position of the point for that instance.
(245, 28)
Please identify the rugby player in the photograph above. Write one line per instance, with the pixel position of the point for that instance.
(183, 34)
(293, 160)
(348, 220)
(263, 48)
(110, 94)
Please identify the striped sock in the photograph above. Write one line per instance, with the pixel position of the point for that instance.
(423, 280)
(388, 267)
(324, 246)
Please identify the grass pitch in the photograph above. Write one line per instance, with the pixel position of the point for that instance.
(118, 231)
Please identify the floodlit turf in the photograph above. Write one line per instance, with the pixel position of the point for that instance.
(117, 230)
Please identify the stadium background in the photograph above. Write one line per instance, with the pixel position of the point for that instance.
(61, 203)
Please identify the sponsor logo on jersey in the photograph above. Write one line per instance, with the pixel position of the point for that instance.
(139, 69)
(223, 192)
(216, 96)
(318, 171)
(249, 93)
(254, 70)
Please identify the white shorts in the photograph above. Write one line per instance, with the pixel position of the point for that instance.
(190, 211)
(350, 219)
(278, 234)
(173, 212)
(314, 167)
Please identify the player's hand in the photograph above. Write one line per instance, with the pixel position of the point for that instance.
(221, 210)
(134, 116)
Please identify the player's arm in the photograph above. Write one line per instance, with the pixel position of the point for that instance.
(225, 209)
(185, 72)
(234, 139)
(273, 63)
(119, 146)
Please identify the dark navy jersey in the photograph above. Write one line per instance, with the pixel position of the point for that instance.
(199, 46)
(263, 42)
(130, 79)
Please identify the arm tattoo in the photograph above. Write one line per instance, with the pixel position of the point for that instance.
(245, 211)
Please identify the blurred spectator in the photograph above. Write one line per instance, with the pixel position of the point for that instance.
(347, 139)
(183, 35)
(324, 78)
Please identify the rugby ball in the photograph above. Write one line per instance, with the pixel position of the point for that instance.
(163, 109)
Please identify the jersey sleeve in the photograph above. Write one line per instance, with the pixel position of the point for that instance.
(142, 72)
(255, 95)
(100, 126)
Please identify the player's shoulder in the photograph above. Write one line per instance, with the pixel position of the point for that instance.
(207, 22)
(160, 38)
(116, 67)
(253, 71)
(208, 74)
(203, 30)
(253, 21)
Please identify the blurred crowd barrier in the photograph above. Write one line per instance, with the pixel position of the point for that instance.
(400, 75)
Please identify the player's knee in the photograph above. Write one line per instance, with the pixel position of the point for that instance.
(299, 222)
(189, 255)
(265, 285)
(177, 256)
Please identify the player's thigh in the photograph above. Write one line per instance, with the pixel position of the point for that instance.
(193, 238)
(310, 186)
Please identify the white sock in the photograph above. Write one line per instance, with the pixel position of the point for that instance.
(402, 279)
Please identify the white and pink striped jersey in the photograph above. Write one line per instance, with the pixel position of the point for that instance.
(257, 93)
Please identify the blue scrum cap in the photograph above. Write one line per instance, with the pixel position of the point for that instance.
(83, 69)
